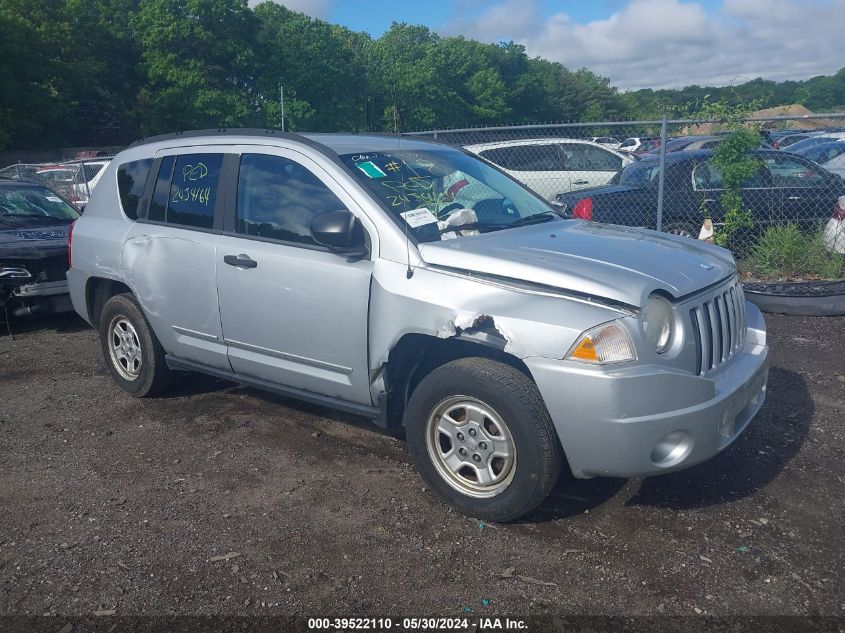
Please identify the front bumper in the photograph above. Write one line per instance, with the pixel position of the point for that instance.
(648, 419)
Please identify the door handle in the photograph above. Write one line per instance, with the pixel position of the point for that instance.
(581, 182)
(709, 200)
(794, 198)
(241, 261)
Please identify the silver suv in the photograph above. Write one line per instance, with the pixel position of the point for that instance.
(422, 287)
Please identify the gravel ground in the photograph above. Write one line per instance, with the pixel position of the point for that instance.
(221, 500)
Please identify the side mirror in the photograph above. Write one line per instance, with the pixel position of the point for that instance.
(341, 232)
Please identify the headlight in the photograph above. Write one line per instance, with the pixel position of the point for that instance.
(603, 344)
(658, 323)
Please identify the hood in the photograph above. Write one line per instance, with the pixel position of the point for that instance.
(614, 262)
(33, 243)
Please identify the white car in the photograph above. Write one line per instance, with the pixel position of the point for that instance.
(554, 165)
(87, 178)
(633, 144)
(608, 141)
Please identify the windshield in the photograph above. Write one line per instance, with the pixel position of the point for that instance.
(443, 193)
(33, 206)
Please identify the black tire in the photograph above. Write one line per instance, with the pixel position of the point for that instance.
(517, 401)
(153, 374)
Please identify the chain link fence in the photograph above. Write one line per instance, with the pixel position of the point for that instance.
(785, 222)
(74, 180)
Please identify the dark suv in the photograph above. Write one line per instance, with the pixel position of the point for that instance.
(34, 223)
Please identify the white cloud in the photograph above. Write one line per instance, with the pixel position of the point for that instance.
(670, 43)
(314, 8)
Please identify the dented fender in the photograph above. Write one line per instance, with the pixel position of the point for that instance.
(447, 304)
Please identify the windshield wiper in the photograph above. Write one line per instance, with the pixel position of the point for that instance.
(537, 218)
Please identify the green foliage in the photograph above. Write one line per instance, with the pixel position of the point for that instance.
(785, 252)
(82, 72)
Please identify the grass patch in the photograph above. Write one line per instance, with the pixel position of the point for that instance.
(785, 252)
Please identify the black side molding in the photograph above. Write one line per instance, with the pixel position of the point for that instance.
(374, 413)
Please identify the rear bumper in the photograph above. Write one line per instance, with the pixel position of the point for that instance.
(647, 420)
(49, 297)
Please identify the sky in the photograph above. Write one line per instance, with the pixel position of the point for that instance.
(636, 43)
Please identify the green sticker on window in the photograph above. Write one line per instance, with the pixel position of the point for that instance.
(371, 169)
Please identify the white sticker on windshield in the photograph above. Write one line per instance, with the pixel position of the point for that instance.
(418, 217)
(53, 198)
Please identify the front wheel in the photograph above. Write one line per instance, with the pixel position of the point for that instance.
(480, 436)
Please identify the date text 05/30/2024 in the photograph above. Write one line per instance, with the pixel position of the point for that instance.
(336, 625)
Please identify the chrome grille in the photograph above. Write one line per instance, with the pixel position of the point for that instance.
(718, 324)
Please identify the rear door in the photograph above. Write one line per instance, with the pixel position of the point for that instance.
(169, 253)
(805, 193)
(292, 312)
(589, 165)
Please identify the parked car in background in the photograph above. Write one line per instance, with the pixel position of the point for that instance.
(74, 180)
(799, 146)
(647, 146)
(608, 141)
(551, 165)
(34, 223)
(829, 156)
(785, 141)
(508, 346)
(635, 142)
(89, 175)
(786, 188)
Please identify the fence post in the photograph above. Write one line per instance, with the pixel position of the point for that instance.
(661, 177)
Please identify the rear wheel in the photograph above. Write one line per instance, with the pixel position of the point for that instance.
(481, 438)
(131, 350)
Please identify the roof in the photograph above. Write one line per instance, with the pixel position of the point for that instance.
(341, 143)
(480, 147)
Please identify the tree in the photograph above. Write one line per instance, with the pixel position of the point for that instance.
(198, 59)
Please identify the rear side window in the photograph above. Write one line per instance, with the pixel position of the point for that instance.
(525, 157)
(186, 190)
(278, 198)
(131, 179)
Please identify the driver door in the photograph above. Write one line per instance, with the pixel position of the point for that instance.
(292, 312)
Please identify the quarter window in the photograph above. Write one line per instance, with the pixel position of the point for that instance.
(278, 198)
(131, 179)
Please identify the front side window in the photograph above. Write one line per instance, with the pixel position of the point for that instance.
(186, 190)
(278, 198)
(430, 192)
(789, 171)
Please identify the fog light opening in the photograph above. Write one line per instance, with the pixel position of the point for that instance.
(671, 449)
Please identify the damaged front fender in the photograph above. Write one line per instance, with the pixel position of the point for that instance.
(447, 305)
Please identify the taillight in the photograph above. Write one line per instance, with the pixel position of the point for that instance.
(776, 145)
(583, 209)
(69, 246)
(839, 209)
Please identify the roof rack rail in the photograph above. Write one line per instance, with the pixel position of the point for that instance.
(223, 131)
